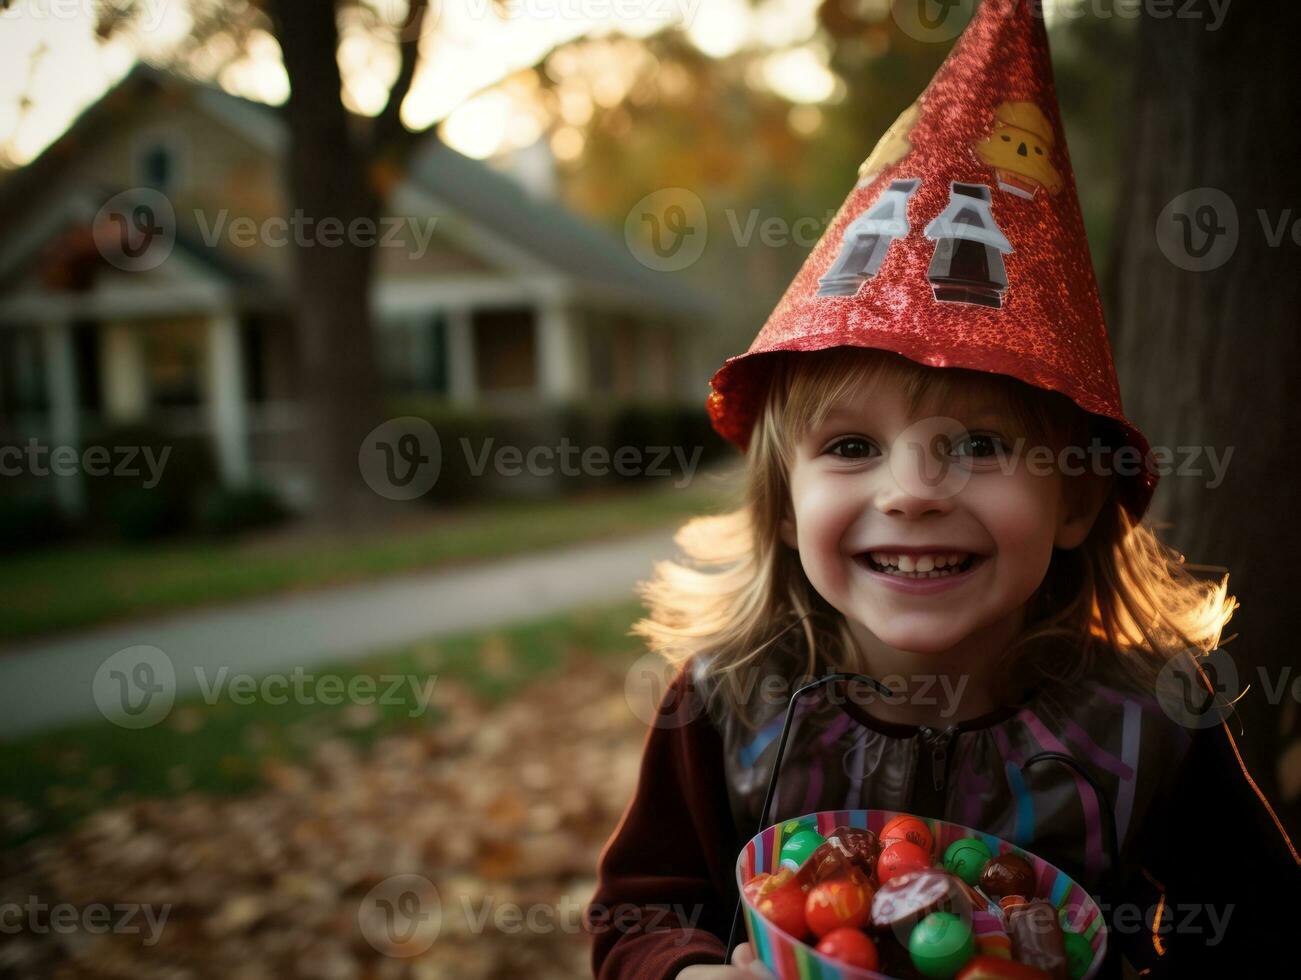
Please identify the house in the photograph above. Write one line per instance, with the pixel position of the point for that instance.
(486, 295)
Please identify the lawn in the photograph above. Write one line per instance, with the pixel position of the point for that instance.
(79, 586)
(50, 781)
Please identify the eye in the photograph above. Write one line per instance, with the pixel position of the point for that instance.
(1007, 139)
(1039, 150)
(979, 445)
(852, 447)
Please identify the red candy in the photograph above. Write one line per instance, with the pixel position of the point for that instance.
(909, 829)
(842, 902)
(781, 902)
(997, 968)
(851, 947)
(755, 886)
(901, 857)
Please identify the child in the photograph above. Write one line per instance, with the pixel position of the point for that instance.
(943, 489)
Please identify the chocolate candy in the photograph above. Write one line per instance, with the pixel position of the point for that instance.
(909, 829)
(851, 947)
(901, 902)
(841, 902)
(782, 904)
(966, 858)
(941, 944)
(858, 845)
(1037, 938)
(901, 857)
(1007, 874)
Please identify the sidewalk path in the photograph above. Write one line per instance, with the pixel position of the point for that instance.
(44, 684)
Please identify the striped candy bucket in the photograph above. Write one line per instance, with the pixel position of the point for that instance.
(791, 959)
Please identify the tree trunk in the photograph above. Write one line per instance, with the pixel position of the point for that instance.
(1206, 331)
(328, 180)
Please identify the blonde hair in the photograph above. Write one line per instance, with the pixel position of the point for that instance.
(1122, 603)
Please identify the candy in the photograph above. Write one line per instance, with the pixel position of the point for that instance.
(859, 846)
(1037, 938)
(966, 858)
(991, 937)
(996, 968)
(909, 829)
(902, 901)
(799, 847)
(1079, 954)
(754, 887)
(841, 902)
(783, 906)
(1008, 874)
(851, 947)
(941, 944)
(901, 857)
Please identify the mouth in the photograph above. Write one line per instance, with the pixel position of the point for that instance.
(921, 567)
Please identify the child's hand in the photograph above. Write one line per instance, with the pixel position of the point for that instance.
(744, 965)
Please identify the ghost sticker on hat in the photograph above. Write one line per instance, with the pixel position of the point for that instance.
(1020, 150)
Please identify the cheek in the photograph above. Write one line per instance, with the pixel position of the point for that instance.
(1021, 517)
(824, 513)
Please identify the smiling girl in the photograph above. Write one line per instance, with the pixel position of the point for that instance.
(944, 493)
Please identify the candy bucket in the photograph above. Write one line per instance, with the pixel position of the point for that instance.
(792, 959)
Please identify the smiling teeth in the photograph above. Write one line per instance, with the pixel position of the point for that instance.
(919, 563)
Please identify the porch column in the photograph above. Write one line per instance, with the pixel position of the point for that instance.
(123, 373)
(227, 404)
(65, 421)
(462, 377)
(557, 357)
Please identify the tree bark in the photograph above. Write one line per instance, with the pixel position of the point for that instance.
(331, 159)
(1210, 358)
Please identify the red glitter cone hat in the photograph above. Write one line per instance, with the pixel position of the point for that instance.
(961, 245)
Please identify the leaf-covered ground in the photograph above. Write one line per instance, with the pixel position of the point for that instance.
(500, 810)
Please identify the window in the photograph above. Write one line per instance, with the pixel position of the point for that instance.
(158, 159)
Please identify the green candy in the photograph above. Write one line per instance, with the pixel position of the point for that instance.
(797, 848)
(1079, 954)
(966, 858)
(940, 944)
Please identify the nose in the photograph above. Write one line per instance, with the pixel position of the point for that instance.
(920, 478)
(1022, 150)
(895, 500)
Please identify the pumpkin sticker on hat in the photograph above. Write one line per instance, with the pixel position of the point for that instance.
(892, 147)
(1020, 150)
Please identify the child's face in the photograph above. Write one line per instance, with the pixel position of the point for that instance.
(876, 481)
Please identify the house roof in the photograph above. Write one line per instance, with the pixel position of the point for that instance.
(579, 249)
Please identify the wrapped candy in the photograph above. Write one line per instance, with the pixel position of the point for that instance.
(1037, 938)
(1007, 874)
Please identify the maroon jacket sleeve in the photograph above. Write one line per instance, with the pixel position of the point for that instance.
(666, 889)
